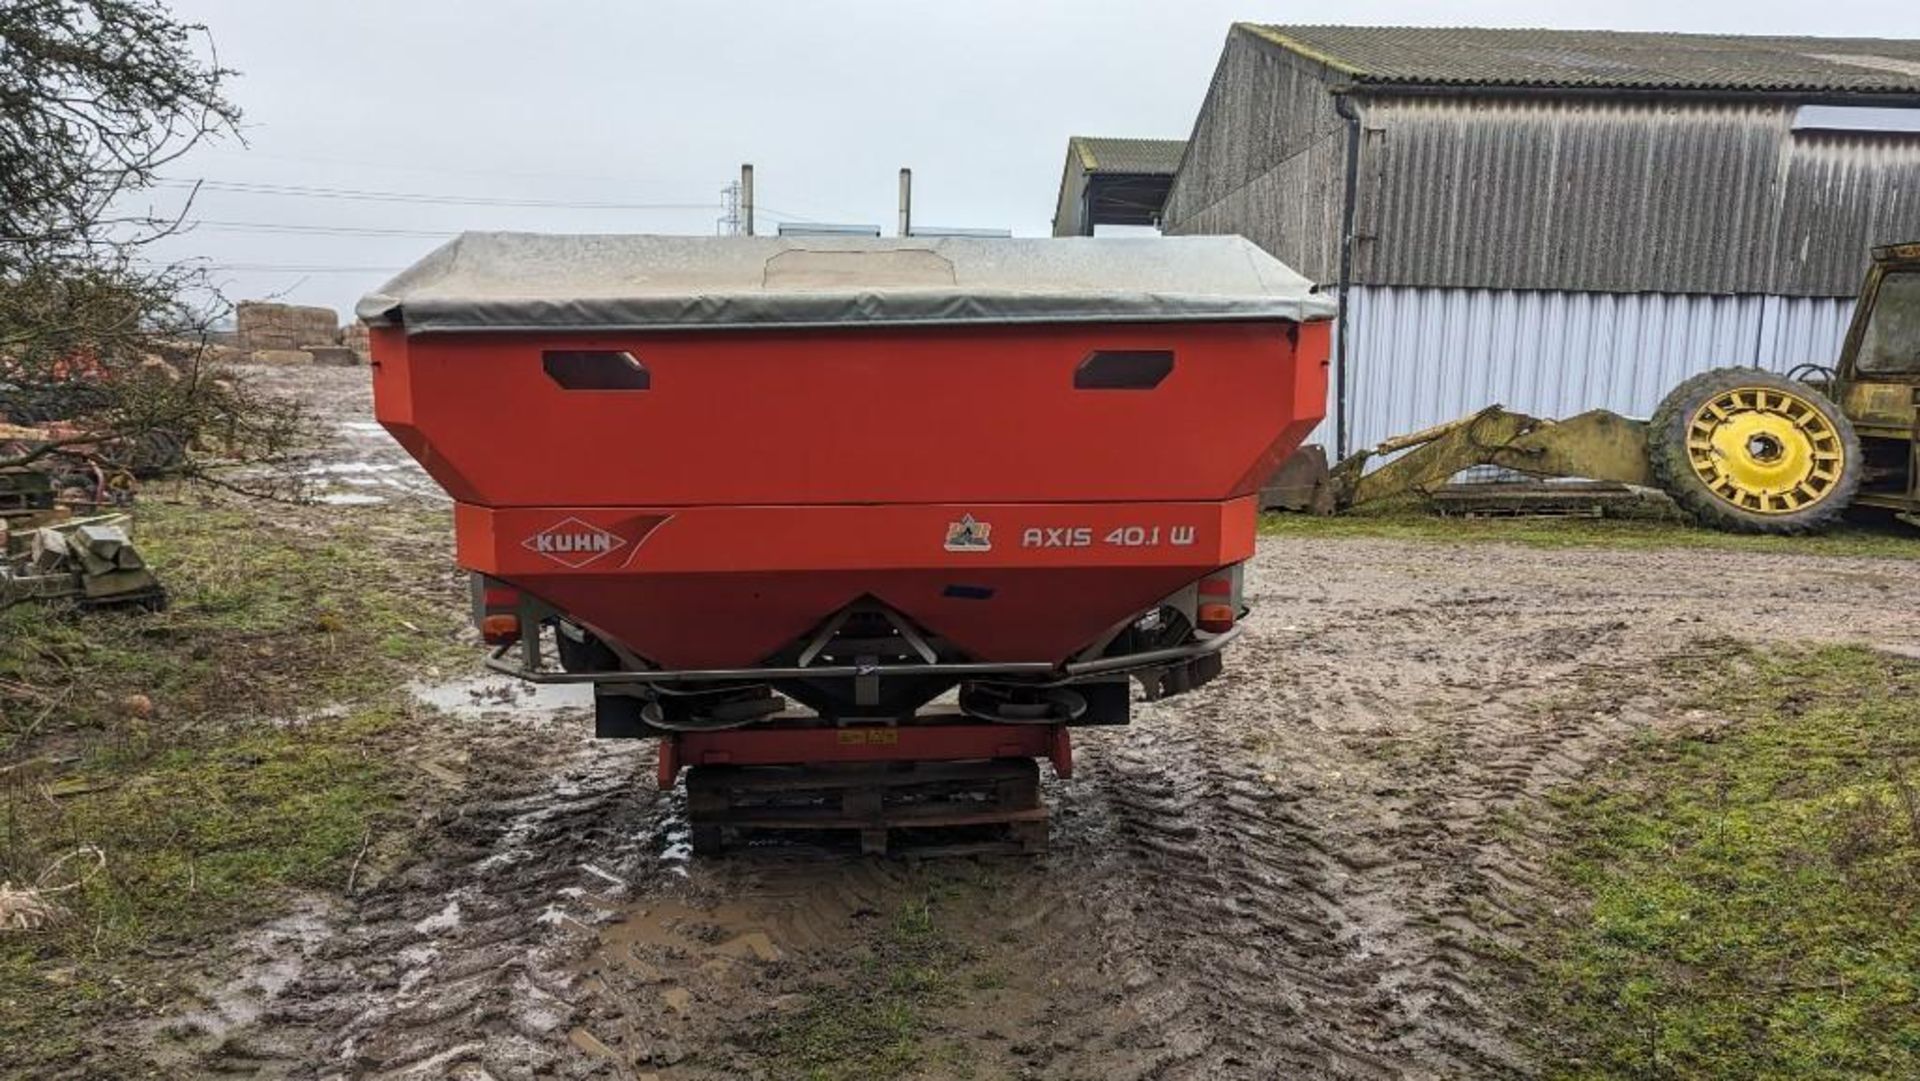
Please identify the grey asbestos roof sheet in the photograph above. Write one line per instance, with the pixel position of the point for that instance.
(1604, 59)
(1152, 157)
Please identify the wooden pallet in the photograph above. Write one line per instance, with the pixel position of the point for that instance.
(919, 808)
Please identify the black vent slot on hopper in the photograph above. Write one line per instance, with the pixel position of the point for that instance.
(1133, 369)
(596, 369)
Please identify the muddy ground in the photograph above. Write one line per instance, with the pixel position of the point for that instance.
(1309, 868)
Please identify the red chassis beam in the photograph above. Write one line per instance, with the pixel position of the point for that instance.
(871, 743)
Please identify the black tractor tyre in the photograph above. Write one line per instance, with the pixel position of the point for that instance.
(1674, 470)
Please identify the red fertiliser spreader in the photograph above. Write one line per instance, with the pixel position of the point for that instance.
(857, 529)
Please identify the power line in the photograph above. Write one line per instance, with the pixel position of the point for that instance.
(252, 153)
(294, 269)
(251, 188)
(323, 230)
(728, 224)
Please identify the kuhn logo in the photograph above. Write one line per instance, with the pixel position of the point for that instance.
(574, 543)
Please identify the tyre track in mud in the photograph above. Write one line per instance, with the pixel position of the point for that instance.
(456, 966)
(1227, 916)
(1319, 856)
(1304, 869)
(470, 965)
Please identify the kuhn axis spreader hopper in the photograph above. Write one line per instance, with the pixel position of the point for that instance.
(774, 498)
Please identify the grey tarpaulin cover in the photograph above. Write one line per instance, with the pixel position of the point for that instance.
(535, 281)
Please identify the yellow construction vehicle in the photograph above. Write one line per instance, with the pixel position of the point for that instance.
(1739, 449)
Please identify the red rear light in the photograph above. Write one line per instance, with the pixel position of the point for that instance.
(1214, 618)
(500, 630)
(1216, 587)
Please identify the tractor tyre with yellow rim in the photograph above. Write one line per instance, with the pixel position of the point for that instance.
(1749, 451)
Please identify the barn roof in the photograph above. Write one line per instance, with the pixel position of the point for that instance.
(1114, 182)
(1147, 157)
(1603, 59)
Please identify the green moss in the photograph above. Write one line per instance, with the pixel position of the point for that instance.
(1891, 541)
(1750, 896)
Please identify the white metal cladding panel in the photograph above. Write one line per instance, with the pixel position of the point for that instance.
(1424, 356)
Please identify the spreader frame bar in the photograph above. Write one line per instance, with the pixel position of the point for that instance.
(822, 744)
(1202, 645)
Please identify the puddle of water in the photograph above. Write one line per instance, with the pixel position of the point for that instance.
(276, 954)
(665, 924)
(348, 499)
(446, 919)
(494, 696)
(679, 851)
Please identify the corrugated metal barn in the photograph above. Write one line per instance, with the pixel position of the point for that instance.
(1556, 220)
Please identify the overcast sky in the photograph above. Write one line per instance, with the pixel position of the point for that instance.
(645, 104)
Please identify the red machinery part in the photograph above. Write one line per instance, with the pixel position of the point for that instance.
(719, 587)
(861, 415)
(701, 452)
(744, 484)
(864, 743)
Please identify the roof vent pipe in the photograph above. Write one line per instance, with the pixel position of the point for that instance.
(746, 198)
(906, 202)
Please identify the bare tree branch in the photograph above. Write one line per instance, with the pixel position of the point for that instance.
(105, 351)
(95, 97)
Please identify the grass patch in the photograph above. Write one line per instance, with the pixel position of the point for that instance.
(874, 1025)
(1751, 897)
(161, 852)
(167, 776)
(1893, 541)
(275, 610)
